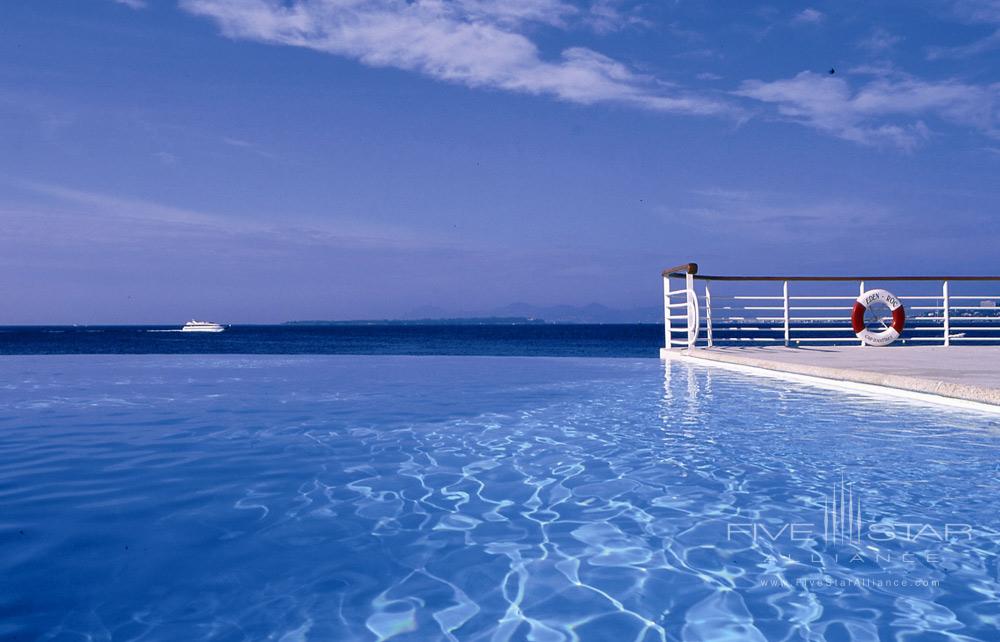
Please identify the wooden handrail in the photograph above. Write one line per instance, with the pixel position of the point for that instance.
(707, 277)
(682, 271)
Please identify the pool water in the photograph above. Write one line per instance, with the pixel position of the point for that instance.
(195, 497)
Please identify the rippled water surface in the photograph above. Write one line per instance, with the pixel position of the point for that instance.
(423, 498)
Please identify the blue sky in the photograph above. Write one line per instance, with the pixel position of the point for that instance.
(258, 161)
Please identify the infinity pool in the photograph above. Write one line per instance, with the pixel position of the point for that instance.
(467, 498)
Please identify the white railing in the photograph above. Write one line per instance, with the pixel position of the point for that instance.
(705, 311)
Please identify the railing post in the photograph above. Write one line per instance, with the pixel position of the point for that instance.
(861, 290)
(788, 328)
(947, 314)
(708, 313)
(667, 327)
(692, 310)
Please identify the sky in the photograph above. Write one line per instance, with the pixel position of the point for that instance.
(256, 161)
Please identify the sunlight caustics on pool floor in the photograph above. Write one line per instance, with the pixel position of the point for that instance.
(470, 498)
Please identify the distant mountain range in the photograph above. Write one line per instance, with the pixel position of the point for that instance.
(591, 313)
(513, 314)
(443, 321)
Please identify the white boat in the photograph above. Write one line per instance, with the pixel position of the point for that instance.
(202, 326)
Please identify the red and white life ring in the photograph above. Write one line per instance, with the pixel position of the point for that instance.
(891, 333)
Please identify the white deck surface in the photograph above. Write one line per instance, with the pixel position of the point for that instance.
(971, 373)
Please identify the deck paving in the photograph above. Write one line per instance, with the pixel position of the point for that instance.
(971, 373)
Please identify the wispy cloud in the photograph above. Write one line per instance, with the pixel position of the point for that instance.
(879, 69)
(237, 142)
(122, 208)
(871, 114)
(515, 12)
(879, 41)
(166, 158)
(978, 10)
(605, 16)
(133, 4)
(974, 48)
(471, 42)
(247, 145)
(765, 214)
(760, 224)
(144, 218)
(975, 12)
(809, 16)
(51, 116)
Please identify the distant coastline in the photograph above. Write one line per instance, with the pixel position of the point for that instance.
(454, 321)
(512, 314)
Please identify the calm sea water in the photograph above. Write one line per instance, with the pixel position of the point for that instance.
(571, 340)
(627, 340)
(290, 498)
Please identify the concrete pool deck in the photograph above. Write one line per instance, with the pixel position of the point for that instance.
(966, 373)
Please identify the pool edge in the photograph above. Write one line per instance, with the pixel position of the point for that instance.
(864, 381)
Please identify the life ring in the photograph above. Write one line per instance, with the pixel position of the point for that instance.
(693, 315)
(891, 333)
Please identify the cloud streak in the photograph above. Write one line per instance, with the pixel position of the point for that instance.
(870, 115)
(762, 212)
(475, 43)
(142, 218)
(987, 11)
(809, 16)
(879, 41)
(977, 47)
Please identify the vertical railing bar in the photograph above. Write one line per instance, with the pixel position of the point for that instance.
(708, 313)
(691, 309)
(861, 290)
(667, 325)
(946, 304)
(788, 330)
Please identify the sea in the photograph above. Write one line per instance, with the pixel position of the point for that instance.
(633, 340)
(549, 340)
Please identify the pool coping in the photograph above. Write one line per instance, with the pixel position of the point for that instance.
(868, 381)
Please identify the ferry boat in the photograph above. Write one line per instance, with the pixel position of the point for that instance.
(202, 326)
